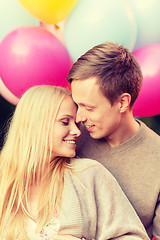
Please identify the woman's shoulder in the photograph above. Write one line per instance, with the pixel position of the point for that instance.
(83, 163)
(91, 173)
(89, 166)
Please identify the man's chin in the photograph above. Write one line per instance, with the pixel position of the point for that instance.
(94, 135)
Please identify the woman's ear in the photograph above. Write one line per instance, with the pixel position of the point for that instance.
(125, 100)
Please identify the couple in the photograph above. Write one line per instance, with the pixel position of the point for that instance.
(45, 190)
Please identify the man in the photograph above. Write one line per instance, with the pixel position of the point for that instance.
(105, 83)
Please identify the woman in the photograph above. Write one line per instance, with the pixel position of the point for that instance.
(44, 190)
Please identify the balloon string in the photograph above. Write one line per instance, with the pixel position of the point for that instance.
(56, 27)
(41, 24)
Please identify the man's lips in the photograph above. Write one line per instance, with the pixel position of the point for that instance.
(89, 127)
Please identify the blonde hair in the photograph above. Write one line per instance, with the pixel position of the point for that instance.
(23, 158)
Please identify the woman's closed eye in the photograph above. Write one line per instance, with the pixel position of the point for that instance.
(65, 122)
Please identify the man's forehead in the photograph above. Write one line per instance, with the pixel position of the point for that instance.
(86, 81)
(86, 95)
(84, 87)
(83, 93)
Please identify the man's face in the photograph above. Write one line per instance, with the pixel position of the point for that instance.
(100, 118)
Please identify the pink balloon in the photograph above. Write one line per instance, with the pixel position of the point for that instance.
(148, 102)
(7, 94)
(32, 56)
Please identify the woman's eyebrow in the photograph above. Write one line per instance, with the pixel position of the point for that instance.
(66, 116)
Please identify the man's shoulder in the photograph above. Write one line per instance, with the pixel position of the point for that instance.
(148, 133)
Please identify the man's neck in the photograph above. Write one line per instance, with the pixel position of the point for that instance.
(126, 129)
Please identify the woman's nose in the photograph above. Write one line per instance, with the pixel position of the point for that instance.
(75, 131)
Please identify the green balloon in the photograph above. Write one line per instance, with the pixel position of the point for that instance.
(92, 22)
(13, 15)
(147, 16)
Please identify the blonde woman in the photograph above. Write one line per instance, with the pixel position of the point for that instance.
(45, 190)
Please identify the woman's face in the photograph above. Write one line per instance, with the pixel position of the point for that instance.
(65, 132)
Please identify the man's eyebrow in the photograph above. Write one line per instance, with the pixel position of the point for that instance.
(86, 105)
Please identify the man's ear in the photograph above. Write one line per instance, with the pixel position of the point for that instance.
(125, 100)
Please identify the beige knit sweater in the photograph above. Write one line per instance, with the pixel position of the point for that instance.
(136, 165)
(93, 206)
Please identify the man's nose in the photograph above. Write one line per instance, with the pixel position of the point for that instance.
(80, 117)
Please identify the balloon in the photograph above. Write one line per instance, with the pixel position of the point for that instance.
(148, 102)
(147, 15)
(5, 93)
(32, 56)
(57, 29)
(92, 22)
(49, 11)
(12, 16)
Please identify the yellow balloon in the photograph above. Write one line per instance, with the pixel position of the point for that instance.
(49, 11)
